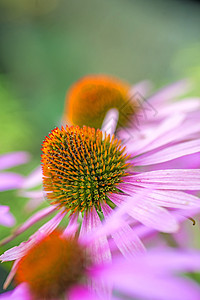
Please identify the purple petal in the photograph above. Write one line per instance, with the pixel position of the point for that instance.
(13, 159)
(178, 179)
(6, 218)
(9, 181)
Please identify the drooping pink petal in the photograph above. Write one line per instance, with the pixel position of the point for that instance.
(148, 213)
(177, 179)
(166, 261)
(31, 221)
(72, 226)
(166, 198)
(154, 288)
(176, 134)
(146, 277)
(110, 122)
(10, 181)
(184, 106)
(19, 251)
(170, 92)
(169, 153)
(142, 87)
(126, 240)
(21, 292)
(35, 198)
(6, 218)
(13, 159)
(100, 252)
(152, 137)
(100, 247)
(11, 274)
(81, 293)
(34, 179)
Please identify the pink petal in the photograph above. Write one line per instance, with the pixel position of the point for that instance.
(19, 251)
(21, 292)
(184, 106)
(155, 136)
(110, 122)
(81, 293)
(178, 179)
(30, 222)
(35, 198)
(6, 218)
(34, 179)
(170, 92)
(148, 213)
(72, 227)
(13, 159)
(126, 240)
(9, 181)
(11, 274)
(143, 88)
(100, 247)
(174, 199)
(169, 153)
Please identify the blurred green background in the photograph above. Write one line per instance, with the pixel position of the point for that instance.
(46, 45)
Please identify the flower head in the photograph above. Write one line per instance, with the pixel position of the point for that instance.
(80, 167)
(89, 99)
(52, 266)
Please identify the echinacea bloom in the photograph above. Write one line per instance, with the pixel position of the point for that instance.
(88, 173)
(9, 181)
(90, 98)
(62, 266)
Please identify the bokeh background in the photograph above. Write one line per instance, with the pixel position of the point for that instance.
(46, 45)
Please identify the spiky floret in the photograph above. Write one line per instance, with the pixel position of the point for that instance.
(80, 166)
(90, 98)
(52, 266)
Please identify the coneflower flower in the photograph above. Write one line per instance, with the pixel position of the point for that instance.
(87, 173)
(9, 181)
(61, 266)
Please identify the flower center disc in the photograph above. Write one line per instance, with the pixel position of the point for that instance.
(80, 167)
(52, 266)
(90, 98)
